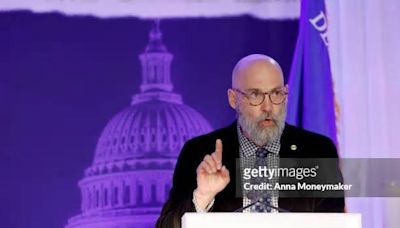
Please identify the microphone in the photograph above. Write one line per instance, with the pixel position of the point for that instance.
(263, 202)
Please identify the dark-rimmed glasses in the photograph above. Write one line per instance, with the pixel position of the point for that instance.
(256, 97)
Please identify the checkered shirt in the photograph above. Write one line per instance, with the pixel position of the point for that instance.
(247, 151)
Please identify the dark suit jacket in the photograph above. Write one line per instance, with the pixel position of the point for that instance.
(309, 145)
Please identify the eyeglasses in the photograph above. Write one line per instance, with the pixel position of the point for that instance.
(257, 97)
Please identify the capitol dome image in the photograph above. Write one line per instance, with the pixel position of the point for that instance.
(131, 174)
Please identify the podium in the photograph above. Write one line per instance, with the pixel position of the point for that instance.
(274, 220)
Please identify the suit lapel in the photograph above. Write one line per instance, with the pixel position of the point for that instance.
(290, 145)
(228, 199)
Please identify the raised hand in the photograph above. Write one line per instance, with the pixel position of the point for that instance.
(212, 176)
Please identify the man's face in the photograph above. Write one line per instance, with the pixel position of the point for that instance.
(263, 123)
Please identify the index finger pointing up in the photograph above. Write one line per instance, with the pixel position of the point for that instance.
(218, 151)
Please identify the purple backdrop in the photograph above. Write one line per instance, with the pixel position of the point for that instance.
(63, 78)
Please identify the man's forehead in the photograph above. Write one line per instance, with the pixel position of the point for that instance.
(261, 81)
(260, 89)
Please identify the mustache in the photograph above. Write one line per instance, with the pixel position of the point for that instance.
(267, 115)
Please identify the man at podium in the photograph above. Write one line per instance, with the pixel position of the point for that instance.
(206, 177)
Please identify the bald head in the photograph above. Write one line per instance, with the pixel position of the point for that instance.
(254, 68)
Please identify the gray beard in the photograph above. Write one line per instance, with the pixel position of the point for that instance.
(259, 135)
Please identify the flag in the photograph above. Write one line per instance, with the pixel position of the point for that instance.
(311, 94)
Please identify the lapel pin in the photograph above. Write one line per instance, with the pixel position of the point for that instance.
(293, 147)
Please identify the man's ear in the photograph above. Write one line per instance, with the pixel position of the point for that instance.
(232, 98)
